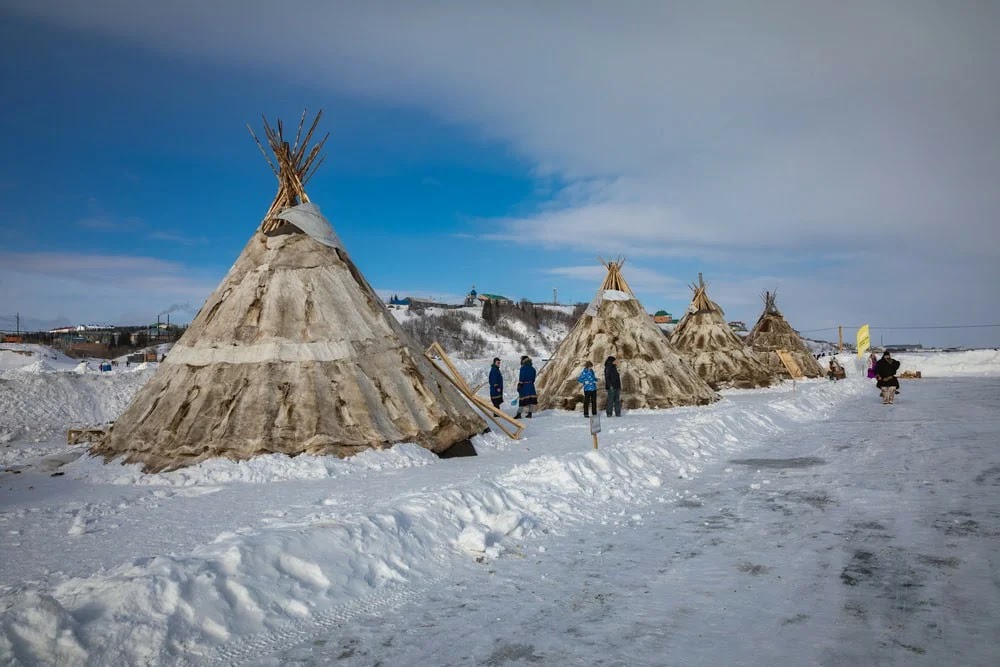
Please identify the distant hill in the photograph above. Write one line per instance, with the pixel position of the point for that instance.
(509, 331)
(506, 331)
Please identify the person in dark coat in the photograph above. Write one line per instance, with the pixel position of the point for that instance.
(885, 375)
(496, 383)
(589, 382)
(613, 383)
(526, 396)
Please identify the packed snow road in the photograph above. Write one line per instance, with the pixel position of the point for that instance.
(869, 538)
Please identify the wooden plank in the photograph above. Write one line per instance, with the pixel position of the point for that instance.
(77, 435)
(491, 412)
(790, 364)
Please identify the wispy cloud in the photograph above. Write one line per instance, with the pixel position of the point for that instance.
(177, 237)
(640, 279)
(100, 219)
(86, 288)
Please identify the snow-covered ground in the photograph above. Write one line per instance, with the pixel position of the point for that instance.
(801, 524)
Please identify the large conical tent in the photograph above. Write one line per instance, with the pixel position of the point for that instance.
(615, 324)
(772, 333)
(293, 353)
(717, 354)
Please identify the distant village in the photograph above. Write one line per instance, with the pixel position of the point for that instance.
(106, 341)
(103, 341)
(474, 298)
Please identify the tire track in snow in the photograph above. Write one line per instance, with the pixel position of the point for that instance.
(261, 645)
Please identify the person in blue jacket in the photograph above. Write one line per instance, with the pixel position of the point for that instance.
(526, 396)
(496, 383)
(589, 382)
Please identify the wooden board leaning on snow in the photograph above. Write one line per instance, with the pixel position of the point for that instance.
(790, 364)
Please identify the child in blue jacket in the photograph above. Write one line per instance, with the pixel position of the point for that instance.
(589, 382)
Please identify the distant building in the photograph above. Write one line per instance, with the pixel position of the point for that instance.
(396, 301)
(472, 298)
(903, 347)
(737, 325)
(416, 303)
(495, 298)
(662, 317)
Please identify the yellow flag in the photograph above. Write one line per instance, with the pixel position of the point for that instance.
(864, 341)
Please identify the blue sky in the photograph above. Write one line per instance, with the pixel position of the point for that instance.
(845, 155)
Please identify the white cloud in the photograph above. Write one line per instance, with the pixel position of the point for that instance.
(752, 137)
(640, 279)
(72, 288)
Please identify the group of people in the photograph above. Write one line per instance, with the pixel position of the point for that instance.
(883, 371)
(527, 397)
(612, 382)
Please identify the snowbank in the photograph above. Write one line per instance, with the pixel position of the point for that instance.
(215, 561)
(951, 364)
(367, 546)
(38, 403)
(260, 470)
(18, 355)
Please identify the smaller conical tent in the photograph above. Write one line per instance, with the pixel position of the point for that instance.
(294, 353)
(772, 333)
(716, 353)
(615, 324)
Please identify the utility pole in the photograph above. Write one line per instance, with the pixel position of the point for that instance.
(555, 297)
(840, 337)
(17, 317)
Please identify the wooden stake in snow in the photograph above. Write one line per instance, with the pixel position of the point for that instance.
(595, 427)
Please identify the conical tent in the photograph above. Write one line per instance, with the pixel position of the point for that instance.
(772, 333)
(716, 353)
(615, 324)
(293, 353)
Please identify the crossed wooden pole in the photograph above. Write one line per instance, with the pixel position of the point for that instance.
(434, 353)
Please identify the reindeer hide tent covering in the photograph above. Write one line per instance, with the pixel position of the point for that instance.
(615, 324)
(771, 333)
(709, 345)
(293, 353)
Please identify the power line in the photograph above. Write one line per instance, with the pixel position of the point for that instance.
(949, 326)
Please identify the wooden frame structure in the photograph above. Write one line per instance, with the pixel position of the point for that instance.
(435, 352)
(700, 299)
(77, 435)
(294, 169)
(614, 280)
